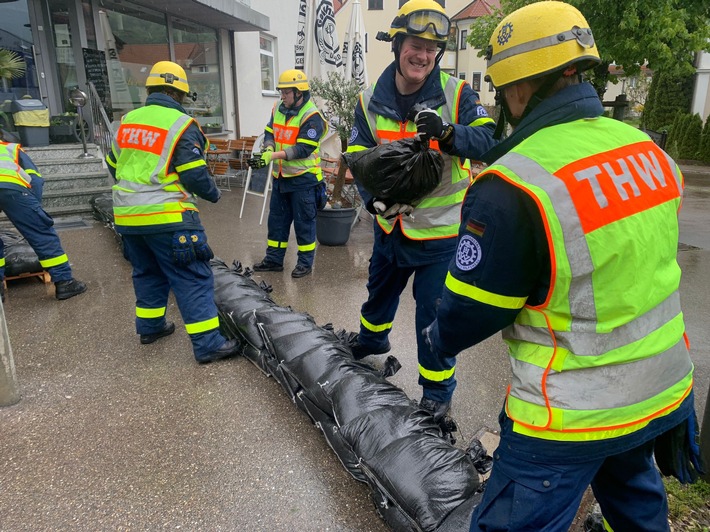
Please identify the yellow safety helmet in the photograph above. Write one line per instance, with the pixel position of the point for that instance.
(293, 79)
(420, 18)
(539, 39)
(169, 74)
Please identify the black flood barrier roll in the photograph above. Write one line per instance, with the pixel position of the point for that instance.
(19, 256)
(102, 208)
(403, 171)
(418, 480)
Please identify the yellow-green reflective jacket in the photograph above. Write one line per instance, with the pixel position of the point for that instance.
(606, 352)
(435, 216)
(10, 169)
(285, 132)
(146, 192)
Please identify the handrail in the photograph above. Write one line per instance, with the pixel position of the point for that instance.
(103, 133)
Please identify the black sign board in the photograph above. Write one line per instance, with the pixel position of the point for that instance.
(97, 73)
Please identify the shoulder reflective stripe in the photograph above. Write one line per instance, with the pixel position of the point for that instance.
(593, 389)
(190, 165)
(586, 343)
(150, 312)
(482, 121)
(371, 117)
(374, 328)
(483, 296)
(581, 291)
(202, 326)
(2, 262)
(56, 261)
(436, 376)
(306, 141)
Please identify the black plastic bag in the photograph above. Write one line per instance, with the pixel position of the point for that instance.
(403, 171)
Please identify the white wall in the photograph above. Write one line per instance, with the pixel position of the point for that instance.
(254, 107)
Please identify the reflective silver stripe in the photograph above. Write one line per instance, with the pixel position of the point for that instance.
(603, 387)
(589, 343)
(581, 291)
(167, 148)
(545, 42)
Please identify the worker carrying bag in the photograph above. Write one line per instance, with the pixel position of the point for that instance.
(403, 171)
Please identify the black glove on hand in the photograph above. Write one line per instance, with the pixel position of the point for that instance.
(677, 451)
(431, 126)
(256, 162)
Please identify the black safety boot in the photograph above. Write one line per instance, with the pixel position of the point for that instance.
(152, 337)
(300, 271)
(435, 408)
(360, 351)
(229, 348)
(70, 288)
(267, 266)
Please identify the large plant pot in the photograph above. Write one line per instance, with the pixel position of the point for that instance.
(333, 226)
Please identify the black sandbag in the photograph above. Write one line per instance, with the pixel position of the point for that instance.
(356, 394)
(426, 477)
(366, 436)
(102, 208)
(19, 256)
(403, 171)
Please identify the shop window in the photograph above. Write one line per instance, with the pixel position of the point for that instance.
(267, 45)
(476, 81)
(374, 5)
(134, 38)
(196, 50)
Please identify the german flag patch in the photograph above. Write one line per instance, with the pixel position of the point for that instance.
(476, 227)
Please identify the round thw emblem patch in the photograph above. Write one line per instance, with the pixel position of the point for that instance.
(468, 255)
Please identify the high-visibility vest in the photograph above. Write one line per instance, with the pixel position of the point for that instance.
(435, 216)
(606, 352)
(147, 193)
(285, 131)
(10, 169)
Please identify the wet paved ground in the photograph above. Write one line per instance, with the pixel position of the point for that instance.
(112, 435)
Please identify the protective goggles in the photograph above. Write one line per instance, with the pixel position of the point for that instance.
(418, 22)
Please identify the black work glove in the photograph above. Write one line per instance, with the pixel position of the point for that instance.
(677, 451)
(431, 126)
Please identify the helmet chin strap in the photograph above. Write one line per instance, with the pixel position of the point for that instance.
(535, 100)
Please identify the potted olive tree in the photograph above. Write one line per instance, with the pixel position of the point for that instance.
(339, 96)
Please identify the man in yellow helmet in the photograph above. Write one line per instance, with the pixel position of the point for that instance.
(292, 142)
(417, 240)
(568, 245)
(158, 160)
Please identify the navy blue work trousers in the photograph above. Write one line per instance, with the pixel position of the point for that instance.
(297, 207)
(25, 212)
(155, 274)
(529, 495)
(386, 283)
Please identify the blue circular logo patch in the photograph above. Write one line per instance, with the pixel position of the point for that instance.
(468, 255)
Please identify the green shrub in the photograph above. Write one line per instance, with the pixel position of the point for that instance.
(689, 143)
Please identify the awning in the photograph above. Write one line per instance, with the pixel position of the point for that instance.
(221, 14)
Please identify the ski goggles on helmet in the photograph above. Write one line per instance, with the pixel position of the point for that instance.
(419, 22)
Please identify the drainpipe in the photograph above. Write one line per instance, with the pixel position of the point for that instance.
(8, 385)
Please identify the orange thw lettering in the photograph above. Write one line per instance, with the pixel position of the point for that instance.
(613, 185)
(285, 134)
(144, 138)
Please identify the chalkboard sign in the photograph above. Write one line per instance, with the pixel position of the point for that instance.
(97, 73)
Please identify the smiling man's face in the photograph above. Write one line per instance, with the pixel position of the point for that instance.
(417, 59)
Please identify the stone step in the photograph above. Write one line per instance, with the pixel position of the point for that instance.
(61, 151)
(80, 198)
(64, 217)
(54, 182)
(48, 167)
